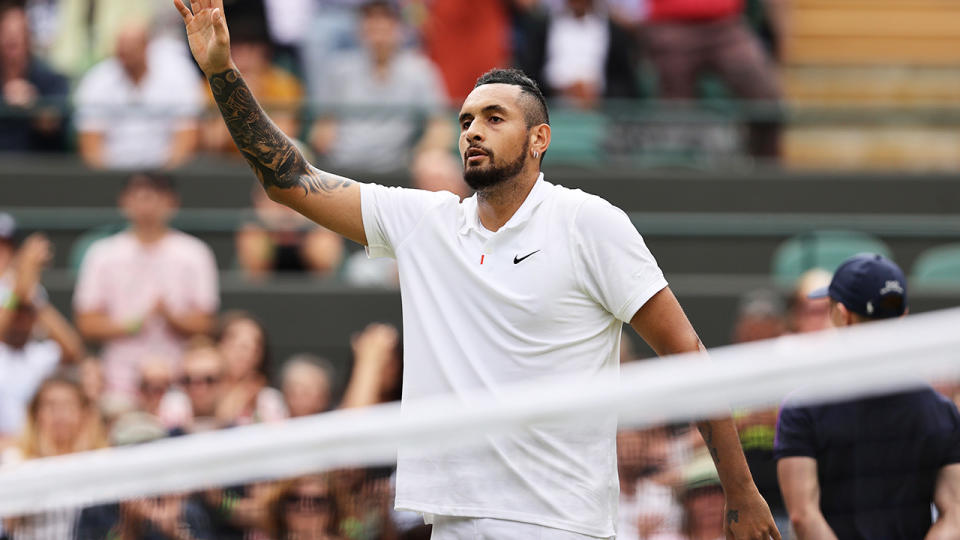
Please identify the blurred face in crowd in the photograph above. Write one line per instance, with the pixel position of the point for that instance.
(202, 376)
(580, 7)
(704, 509)
(380, 31)
(131, 49)
(155, 380)
(242, 346)
(494, 137)
(642, 453)
(60, 412)
(14, 42)
(21, 328)
(308, 509)
(250, 56)
(306, 389)
(148, 207)
(91, 378)
(810, 315)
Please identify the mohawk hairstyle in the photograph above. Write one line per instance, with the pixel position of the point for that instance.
(535, 109)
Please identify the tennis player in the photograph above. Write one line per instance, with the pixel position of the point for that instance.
(524, 279)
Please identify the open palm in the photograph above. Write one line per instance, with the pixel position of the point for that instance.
(207, 34)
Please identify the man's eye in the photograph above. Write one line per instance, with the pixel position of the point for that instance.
(496, 119)
(465, 124)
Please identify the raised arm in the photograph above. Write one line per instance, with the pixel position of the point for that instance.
(662, 323)
(330, 200)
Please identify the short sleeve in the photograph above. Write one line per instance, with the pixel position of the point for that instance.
(614, 265)
(390, 214)
(795, 433)
(90, 293)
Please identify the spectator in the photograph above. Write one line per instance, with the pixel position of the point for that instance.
(377, 366)
(139, 108)
(761, 316)
(246, 396)
(60, 421)
(648, 508)
(24, 360)
(281, 240)
(306, 381)
(393, 81)
(582, 55)
(151, 518)
(203, 374)
(35, 94)
(332, 26)
(145, 290)
(809, 314)
(306, 510)
(467, 39)
(703, 500)
(85, 31)
(687, 38)
(278, 90)
(158, 396)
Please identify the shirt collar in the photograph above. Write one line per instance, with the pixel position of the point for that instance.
(470, 219)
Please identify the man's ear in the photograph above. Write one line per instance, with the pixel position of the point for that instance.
(540, 138)
(845, 314)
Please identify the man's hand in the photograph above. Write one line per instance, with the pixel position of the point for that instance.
(207, 34)
(33, 256)
(747, 517)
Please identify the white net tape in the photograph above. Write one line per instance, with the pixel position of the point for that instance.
(865, 359)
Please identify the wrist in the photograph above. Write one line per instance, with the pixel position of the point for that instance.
(213, 70)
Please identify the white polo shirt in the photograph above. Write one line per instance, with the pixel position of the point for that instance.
(544, 295)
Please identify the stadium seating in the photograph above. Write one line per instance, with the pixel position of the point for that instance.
(820, 249)
(938, 266)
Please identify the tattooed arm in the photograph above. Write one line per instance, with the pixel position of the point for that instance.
(330, 200)
(662, 323)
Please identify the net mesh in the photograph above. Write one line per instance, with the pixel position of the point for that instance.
(333, 475)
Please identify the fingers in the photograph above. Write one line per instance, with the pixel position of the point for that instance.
(220, 25)
(775, 534)
(184, 12)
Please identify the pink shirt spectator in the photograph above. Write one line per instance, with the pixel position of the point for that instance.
(126, 279)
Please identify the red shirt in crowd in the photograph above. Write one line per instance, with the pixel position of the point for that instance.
(694, 9)
(465, 40)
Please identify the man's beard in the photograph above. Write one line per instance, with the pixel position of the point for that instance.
(481, 178)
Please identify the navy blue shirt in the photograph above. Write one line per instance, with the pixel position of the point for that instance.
(877, 459)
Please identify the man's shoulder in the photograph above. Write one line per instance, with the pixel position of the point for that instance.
(105, 72)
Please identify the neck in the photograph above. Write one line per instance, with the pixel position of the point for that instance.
(497, 204)
(149, 235)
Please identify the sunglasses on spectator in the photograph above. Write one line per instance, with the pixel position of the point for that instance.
(208, 380)
(307, 503)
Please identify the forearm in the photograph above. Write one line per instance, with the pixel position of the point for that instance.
(722, 441)
(272, 155)
(99, 327)
(60, 331)
(192, 323)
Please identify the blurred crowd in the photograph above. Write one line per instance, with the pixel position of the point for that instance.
(365, 85)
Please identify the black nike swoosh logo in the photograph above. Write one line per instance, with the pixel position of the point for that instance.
(518, 260)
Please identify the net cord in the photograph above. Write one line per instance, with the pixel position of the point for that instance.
(865, 359)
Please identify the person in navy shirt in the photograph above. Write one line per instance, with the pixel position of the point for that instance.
(869, 468)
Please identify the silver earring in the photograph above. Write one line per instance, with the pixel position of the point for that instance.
(536, 154)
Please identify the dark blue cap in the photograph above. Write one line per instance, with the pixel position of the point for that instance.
(870, 285)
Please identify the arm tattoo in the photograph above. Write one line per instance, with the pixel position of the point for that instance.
(271, 155)
(733, 516)
(706, 431)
